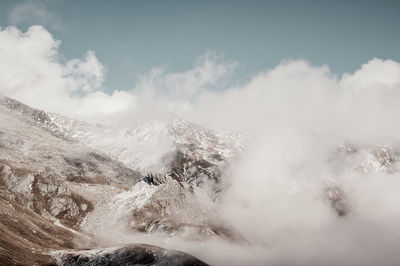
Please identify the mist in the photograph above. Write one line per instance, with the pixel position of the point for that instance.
(296, 118)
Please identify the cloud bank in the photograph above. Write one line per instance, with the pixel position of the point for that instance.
(296, 114)
(33, 72)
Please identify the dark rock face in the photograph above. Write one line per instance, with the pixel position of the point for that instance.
(337, 200)
(131, 255)
(190, 169)
(194, 172)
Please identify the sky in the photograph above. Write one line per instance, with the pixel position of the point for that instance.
(130, 38)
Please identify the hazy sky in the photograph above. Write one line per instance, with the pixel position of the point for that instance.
(132, 37)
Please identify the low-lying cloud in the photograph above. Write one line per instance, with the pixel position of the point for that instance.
(296, 115)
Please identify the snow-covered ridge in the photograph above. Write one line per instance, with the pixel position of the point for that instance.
(156, 137)
(188, 152)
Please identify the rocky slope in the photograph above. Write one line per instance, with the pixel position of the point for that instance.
(49, 184)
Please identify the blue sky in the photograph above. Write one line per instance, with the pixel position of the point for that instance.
(132, 37)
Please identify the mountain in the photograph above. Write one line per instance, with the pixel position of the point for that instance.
(184, 168)
(185, 151)
(66, 182)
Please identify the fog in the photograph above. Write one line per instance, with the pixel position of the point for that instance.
(296, 116)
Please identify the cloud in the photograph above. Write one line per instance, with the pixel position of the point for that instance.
(86, 74)
(296, 114)
(33, 12)
(32, 71)
(209, 71)
(377, 74)
(34, 74)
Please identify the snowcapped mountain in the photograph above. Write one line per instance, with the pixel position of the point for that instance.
(49, 183)
(30, 140)
(77, 178)
(184, 167)
(187, 152)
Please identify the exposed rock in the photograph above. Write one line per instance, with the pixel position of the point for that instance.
(45, 193)
(336, 197)
(66, 206)
(130, 255)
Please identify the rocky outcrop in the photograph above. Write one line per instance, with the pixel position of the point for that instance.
(130, 255)
(45, 193)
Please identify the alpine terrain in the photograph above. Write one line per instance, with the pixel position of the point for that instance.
(73, 193)
(65, 186)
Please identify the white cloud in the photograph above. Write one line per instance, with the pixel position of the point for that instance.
(208, 71)
(376, 74)
(32, 73)
(33, 12)
(100, 103)
(86, 74)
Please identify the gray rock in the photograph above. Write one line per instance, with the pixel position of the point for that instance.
(131, 255)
